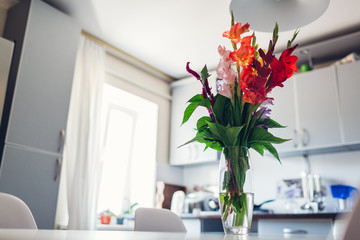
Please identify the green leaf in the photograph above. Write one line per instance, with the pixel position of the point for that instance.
(261, 135)
(196, 98)
(205, 103)
(220, 108)
(272, 150)
(204, 73)
(215, 145)
(189, 111)
(202, 122)
(257, 147)
(218, 131)
(232, 134)
(192, 106)
(271, 123)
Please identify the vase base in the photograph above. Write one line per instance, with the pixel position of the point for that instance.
(237, 230)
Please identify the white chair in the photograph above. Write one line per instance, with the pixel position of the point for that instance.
(14, 213)
(352, 230)
(158, 220)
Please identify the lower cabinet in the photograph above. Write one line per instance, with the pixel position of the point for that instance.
(32, 177)
(294, 226)
(192, 225)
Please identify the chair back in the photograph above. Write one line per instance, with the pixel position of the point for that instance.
(14, 213)
(352, 230)
(158, 220)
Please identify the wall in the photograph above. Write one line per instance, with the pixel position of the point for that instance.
(4, 6)
(334, 168)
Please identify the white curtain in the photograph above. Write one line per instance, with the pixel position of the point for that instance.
(82, 153)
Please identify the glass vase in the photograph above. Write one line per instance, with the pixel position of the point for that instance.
(236, 190)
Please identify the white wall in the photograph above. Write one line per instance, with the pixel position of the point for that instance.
(335, 168)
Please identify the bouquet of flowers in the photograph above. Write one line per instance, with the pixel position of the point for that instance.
(238, 113)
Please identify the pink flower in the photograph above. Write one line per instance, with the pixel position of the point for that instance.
(224, 89)
(224, 70)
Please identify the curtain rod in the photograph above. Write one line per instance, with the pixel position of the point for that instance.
(137, 62)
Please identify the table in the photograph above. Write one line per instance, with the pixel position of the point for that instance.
(21, 234)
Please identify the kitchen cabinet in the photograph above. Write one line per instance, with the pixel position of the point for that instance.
(283, 111)
(36, 105)
(318, 109)
(192, 153)
(44, 78)
(33, 177)
(299, 226)
(317, 102)
(349, 90)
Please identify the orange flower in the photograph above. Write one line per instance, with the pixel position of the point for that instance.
(243, 56)
(235, 32)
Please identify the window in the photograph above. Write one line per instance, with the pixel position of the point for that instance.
(129, 159)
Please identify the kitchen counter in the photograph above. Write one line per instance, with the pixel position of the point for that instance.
(211, 221)
(74, 235)
(261, 215)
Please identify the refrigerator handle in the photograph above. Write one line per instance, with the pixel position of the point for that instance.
(62, 141)
(58, 169)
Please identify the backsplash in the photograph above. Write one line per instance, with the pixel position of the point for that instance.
(334, 168)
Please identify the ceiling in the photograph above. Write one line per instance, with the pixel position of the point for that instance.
(166, 34)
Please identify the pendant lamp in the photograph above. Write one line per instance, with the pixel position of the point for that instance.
(289, 14)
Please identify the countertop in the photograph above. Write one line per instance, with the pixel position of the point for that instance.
(262, 215)
(12, 234)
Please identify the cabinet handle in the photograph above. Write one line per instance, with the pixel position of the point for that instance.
(62, 140)
(294, 231)
(295, 135)
(58, 169)
(305, 137)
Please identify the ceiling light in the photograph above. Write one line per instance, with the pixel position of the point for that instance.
(289, 14)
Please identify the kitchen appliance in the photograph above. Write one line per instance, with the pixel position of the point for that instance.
(345, 196)
(201, 201)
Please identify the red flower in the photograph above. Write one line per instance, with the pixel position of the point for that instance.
(282, 69)
(235, 32)
(253, 86)
(289, 61)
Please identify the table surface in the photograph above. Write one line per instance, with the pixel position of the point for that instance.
(12, 234)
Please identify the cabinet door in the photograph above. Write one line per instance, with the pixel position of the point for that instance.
(317, 101)
(283, 112)
(43, 85)
(193, 152)
(31, 177)
(349, 90)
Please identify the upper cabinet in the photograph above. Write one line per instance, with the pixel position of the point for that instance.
(283, 111)
(319, 111)
(192, 153)
(317, 101)
(349, 90)
(46, 42)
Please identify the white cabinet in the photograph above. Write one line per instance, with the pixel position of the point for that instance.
(283, 111)
(319, 109)
(295, 227)
(317, 101)
(194, 152)
(349, 92)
